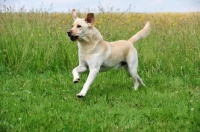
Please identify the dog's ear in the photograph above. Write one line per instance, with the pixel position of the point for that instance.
(74, 14)
(90, 19)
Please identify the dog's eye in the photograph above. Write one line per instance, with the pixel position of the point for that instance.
(78, 26)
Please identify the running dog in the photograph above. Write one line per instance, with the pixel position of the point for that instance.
(99, 55)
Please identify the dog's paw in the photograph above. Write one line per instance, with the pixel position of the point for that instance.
(135, 87)
(76, 80)
(80, 95)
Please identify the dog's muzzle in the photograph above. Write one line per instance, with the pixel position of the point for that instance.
(73, 38)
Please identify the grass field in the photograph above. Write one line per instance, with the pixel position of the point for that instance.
(37, 92)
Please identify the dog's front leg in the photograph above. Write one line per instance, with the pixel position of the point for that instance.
(76, 71)
(90, 79)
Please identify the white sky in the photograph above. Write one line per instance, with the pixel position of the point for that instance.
(123, 5)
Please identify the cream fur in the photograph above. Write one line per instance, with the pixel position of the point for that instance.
(99, 55)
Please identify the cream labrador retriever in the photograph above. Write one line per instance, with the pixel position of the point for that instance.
(99, 55)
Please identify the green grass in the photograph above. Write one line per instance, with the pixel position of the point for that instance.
(47, 102)
(37, 92)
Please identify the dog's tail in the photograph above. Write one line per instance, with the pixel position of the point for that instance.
(142, 33)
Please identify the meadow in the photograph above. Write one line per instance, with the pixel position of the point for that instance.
(37, 92)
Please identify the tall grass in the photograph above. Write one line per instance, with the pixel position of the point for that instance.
(38, 41)
(34, 41)
(36, 59)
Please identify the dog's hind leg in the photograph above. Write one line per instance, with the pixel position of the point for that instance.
(136, 78)
(133, 72)
(132, 64)
(140, 80)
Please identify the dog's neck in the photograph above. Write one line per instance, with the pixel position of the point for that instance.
(91, 37)
(92, 40)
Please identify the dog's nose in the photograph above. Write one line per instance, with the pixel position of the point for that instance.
(69, 33)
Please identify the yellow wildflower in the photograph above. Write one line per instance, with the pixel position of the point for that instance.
(56, 15)
(174, 24)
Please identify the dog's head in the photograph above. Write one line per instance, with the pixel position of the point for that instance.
(80, 27)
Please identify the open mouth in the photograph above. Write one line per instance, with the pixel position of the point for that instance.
(74, 38)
